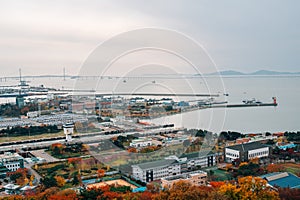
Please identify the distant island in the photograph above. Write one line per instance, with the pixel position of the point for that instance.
(256, 73)
(154, 75)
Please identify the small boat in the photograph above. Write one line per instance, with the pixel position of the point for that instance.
(249, 101)
(252, 101)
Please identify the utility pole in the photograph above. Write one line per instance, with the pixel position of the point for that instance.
(20, 74)
(64, 73)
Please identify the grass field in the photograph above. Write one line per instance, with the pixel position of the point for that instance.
(22, 138)
(221, 175)
(291, 167)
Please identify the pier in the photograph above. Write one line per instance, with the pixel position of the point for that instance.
(243, 105)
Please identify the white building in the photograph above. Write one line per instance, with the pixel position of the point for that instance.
(32, 114)
(156, 170)
(172, 166)
(68, 130)
(12, 161)
(200, 159)
(246, 151)
(141, 142)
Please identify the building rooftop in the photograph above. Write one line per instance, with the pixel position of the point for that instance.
(142, 139)
(10, 156)
(247, 146)
(3, 169)
(155, 164)
(11, 186)
(27, 187)
(282, 179)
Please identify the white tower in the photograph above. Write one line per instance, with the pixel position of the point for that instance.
(68, 130)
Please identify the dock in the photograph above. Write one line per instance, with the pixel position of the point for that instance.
(244, 105)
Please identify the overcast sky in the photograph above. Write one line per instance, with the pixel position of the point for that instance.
(43, 37)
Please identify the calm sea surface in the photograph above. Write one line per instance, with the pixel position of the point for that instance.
(284, 117)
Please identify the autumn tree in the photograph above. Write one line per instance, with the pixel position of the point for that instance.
(19, 176)
(289, 193)
(85, 147)
(109, 195)
(64, 195)
(249, 169)
(75, 162)
(274, 168)
(249, 187)
(255, 160)
(100, 173)
(60, 181)
(49, 182)
(185, 190)
(91, 193)
(153, 187)
(57, 148)
(228, 167)
(217, 184)
(132, 150)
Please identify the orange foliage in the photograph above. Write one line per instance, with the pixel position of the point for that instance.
(146, 196)
(228, 166)
(100, 173)
(60, 181)
(22, 173)
(249, 187)
(132, 150)
(64, 195)
(85, 147)
(74, 160)
(255, 160)
(185, 190)
(109, 195)
(217, 184)
(243, 163)
(274, 168)
(149, 149)
(59, 145)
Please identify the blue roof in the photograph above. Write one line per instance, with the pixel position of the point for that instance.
(140, 189)
(287, 146)
(291, 180)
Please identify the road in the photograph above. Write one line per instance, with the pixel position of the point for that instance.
(32, 171)
(85, 138)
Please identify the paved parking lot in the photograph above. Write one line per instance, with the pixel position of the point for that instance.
(42, 154)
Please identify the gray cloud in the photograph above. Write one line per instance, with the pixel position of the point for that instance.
(241, 35)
